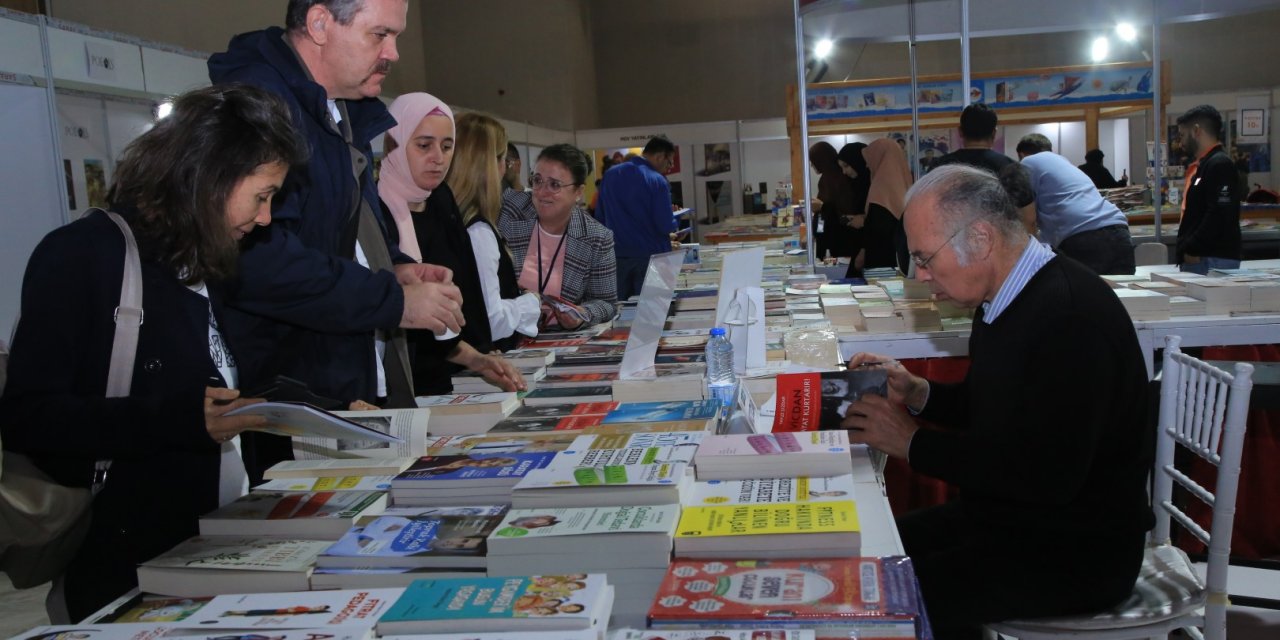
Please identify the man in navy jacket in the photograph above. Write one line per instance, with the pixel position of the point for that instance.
(635, 204)
(306, 304)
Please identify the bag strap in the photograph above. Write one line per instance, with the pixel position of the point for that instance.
(128, 315)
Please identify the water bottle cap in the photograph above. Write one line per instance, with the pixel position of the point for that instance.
(718, 331)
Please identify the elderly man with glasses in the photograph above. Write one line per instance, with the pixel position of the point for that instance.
(1046, 438)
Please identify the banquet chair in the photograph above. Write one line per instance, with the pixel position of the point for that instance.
(1149, 253)
(1203, 409)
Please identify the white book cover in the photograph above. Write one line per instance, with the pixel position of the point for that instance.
(232, 552)
(801, 489)
(770, 444)
(533, 524)
(404, 431)
(322, 467)
(302, 610)
(96, 631)
(467, 402)
(618, 460)
(330, 483)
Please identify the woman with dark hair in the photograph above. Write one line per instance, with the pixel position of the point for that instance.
(560, 252)
(854, 167)
(832, 205)
(430, 228)
(190, 189)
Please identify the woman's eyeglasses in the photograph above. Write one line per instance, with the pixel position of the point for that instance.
(550, 184)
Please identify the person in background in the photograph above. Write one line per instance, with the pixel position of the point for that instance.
(1097, 172)
(635, 204)
(419, 154)
(1056, 332)
(854, 167)
(563, 254)
(833, 205)
(329, 292)
(1075, 219)
(1032, 143)
(1209, 235)
(606, 164)
(511, 167)
(882, 239)
(475, 181)
(190, 189)
(977, 135)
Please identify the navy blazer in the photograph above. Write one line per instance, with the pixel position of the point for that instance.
(165, 470)
(302, 306)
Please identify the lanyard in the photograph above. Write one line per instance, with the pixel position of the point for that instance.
(544, 279)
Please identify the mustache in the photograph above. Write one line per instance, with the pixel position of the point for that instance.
(383, 66)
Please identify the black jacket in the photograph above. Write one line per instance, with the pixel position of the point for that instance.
(1211, 214)
(165, 470)
(302, 306)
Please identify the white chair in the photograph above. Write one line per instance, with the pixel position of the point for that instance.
(1203, 409)
(1149, 253)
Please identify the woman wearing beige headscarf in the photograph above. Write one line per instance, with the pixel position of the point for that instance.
(886, 201)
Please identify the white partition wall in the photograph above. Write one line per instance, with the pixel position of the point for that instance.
(28, 189)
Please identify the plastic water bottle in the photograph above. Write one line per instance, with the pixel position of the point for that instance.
(721, 383)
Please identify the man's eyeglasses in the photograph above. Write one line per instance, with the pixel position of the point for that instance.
(550, 184)
(923, 263)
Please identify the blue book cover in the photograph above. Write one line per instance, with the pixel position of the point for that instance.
(475, 469)
(663, 411)
(445, 541)
(496, 604)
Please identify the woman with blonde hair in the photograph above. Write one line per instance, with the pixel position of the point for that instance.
(476, 181)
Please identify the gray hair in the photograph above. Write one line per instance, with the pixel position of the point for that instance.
(344, 11)
(964, 195)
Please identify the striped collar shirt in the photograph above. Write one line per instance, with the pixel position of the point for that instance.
(1034, 257)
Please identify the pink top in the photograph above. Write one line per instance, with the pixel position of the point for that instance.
(539, 280)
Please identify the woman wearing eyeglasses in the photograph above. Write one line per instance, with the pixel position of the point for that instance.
(882, 234)
(560, 252)
(428, 227)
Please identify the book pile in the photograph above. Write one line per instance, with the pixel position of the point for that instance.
(417, 538)
(773, 455)
(1184, 306)
(322, 515)
(612, 470)
(473, 478)
(559, 603)
(836, 597)
(213, 565)
(632, 545)
(472, 382)
(464, 413)
(1221, 297)
(1143, 304)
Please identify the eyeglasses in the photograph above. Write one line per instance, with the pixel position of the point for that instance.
(550, 184)
(923, 263)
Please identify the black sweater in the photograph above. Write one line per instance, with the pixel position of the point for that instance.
(1211, 215)
(1048, 431)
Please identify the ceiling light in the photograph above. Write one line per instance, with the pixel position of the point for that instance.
(163, 110)
(823, 48)
(1126, 31)
(1101, 47)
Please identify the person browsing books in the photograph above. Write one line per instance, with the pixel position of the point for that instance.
(635, 204)
(882, 229)
(559, 251)
(1046, 437)
(430, 228)
(191, 190)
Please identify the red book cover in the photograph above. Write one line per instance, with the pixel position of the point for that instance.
(594, 408)
(818, 401)
(572, 423)
(876, 596)
(551, 343)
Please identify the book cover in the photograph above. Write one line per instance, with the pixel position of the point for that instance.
(564, 409)
(818, 401)
(473, 469)
(426, 512)
(337, 467)
(307, 609)
(552, 342)
(713, 634)
(793, 490)
(342, 483)
(531, 524)
(452, 541)
(816, 594)
(562, 394)
(153, 609)
(297, 419)
(664, 411)
(772, 444)
(231, 552)
(459, 403)
(554, 380)
(768, 518)
(499, 443)
(623, 459)
(293, 506)
(496, 604)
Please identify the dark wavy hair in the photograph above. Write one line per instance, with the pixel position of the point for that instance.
(179, 175)
(573, 159)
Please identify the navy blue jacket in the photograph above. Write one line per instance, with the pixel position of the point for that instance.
(165, 469)
(635, 204)
(302, 306)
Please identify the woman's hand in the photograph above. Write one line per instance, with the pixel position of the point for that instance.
(904, 387)
(857, 222)
(494, 368)
(217, 402)
(817, 204)
(570, 319)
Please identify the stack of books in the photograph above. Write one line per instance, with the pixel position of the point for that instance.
(552, 603)
(465, 413)
(324, 515)
(1143, 304)
(474, 478)
(612, 470)
(214, 565)
(773, 455)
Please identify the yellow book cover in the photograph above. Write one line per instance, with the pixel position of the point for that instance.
(840, 516)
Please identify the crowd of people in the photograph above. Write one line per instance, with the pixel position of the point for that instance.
(270, 252)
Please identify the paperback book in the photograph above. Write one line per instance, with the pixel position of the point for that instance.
(308, 609)
(323, 515)
(212, 565)
(774, 455)
(771, 490)
(343, 483)
(535, 603)
(598, 470)
(419, 541)
(664, 411)
(819, 401)
(769, 530)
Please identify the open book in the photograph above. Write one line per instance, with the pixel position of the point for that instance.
(344, 434)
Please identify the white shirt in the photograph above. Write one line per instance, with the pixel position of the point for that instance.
(233, 481)
(506, 317)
